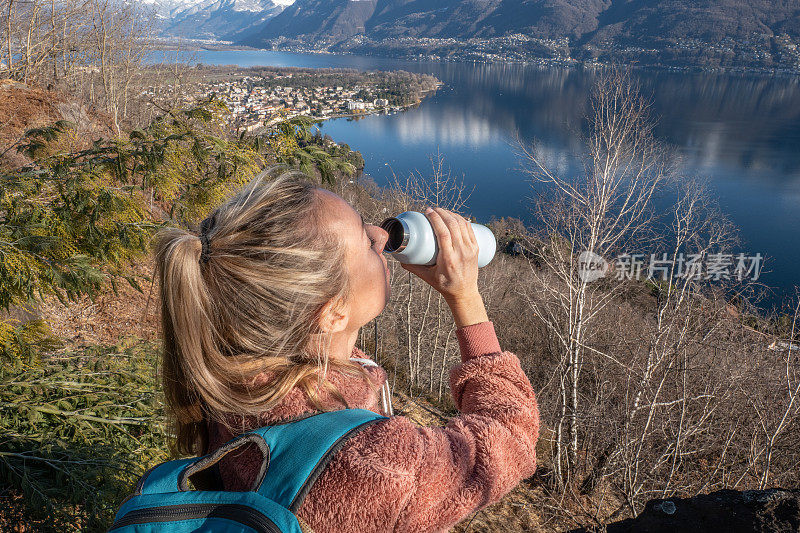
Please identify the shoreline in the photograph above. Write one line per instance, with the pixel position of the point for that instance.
(781, 288)
(383, 111)
(543, 62)
(238, 87)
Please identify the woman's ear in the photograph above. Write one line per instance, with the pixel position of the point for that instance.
(334, 316)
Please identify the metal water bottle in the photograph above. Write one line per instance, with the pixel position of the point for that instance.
(412, 240)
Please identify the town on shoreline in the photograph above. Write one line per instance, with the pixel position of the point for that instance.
(259, 97)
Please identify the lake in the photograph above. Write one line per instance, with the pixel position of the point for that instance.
(740, 133)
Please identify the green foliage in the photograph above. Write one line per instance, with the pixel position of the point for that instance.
(72, 220)
(78, 428)
(77, 432)
(196, 166)
(403, 88)
(23, 342)
(295, 145)
(55, 227)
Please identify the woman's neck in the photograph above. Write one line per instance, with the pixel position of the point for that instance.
(341, 345)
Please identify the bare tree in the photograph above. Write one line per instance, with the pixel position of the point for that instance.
(784, 410)
(9, 62)
(651, 365)
(69, 41)
(118, 35)
(598, 214)
(668, 389)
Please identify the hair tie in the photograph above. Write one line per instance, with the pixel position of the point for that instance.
(205, 251)
(205, 227)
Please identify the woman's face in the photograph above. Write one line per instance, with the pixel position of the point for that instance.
(366, 262)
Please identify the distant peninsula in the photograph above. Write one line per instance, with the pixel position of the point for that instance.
(261, 96)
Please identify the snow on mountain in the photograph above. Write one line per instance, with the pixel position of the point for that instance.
(214, 19)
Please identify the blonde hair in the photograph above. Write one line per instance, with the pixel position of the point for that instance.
(247, 301)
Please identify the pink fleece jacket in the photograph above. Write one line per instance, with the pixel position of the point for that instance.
(397, 476)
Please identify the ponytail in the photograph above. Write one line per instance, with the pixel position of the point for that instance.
(186, 328)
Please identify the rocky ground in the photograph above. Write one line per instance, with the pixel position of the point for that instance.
(23, 107)
(723, 511)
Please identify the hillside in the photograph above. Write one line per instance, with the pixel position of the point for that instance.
(319, 19)
(761, 33)
(23, 107)
(212, 19)
(482, 18)
(640, 20)
(681, 392)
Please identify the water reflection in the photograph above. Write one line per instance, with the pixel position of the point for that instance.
(446, 128)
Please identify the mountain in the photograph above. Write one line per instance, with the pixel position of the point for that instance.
(702, 29)
(463, 19)
(330, 21)
(715, 33)
(708, 20)
(214, 19)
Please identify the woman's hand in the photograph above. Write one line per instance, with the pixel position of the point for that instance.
(455, 274)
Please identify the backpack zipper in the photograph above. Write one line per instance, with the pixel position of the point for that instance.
(238, 513)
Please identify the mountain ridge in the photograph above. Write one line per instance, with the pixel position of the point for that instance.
(760, 33)
(757, 34)
(464, 19)
(214, 19)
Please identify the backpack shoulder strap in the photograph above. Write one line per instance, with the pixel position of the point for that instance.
(299, 451)
(163, 477)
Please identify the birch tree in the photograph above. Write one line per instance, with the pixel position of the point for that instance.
(598, 214)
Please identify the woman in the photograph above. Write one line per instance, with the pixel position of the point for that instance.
(260, 316)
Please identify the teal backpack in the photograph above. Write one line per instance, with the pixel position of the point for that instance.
(295, 454)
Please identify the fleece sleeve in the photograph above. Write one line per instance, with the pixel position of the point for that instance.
(483, 453)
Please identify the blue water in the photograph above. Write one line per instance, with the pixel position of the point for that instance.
(740, 133)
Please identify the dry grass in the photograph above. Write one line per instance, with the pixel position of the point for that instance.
(23, 107)
(109, 317)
